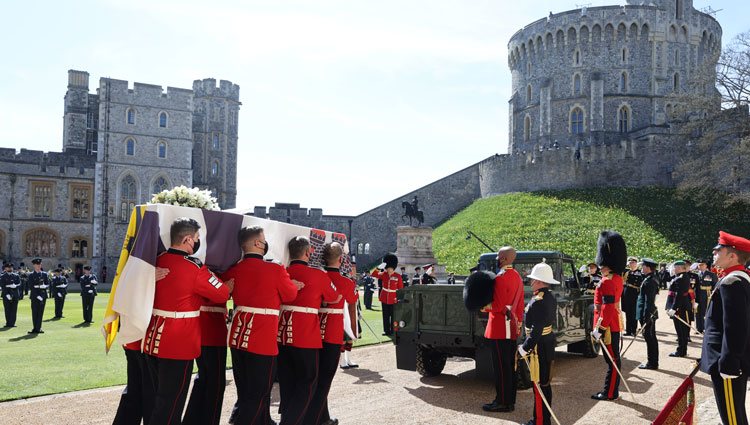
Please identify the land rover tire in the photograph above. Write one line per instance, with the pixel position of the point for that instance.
(430, 362)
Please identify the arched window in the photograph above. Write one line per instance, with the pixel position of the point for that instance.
(577, 85)
(215, 141)
(130, 116)
(527, 128)
(528, 68)
(360, 248)
(576, 120)
(528, 94)
(623, 119)
(676, 83)
(127, 197)
(160, 184)
(215, 168)
(40, 243)
(161, 149)
(624, 82)
(79, 248)
(163, 119)
(577, 57)
(367, 248)
(129, 147)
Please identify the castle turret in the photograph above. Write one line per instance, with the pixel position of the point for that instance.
(76, 111)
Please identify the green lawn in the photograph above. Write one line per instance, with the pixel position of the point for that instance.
(70, 357)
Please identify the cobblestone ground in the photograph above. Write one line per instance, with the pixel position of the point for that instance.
(379, 393)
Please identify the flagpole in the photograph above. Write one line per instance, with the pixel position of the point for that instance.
(541, 394)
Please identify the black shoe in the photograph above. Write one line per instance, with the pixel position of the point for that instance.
(353, 365)
(345, 367)
(603, 396)
(32, 332)
(677, 354)
(332, 421)
(497, 407)
(647, 366)
(530, 422)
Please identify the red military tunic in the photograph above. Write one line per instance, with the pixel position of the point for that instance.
(174, 331)
(135, 345)
(391, 284)
(299, 325)
(607, 298)
(332, 316)
(508, 291)
(213, 324)
(259, 289)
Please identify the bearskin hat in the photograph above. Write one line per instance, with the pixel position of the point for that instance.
(611, 251)
(390, 260)
(478, 290)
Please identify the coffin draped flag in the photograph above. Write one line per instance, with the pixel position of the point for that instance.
(680, 408)
(132, 298)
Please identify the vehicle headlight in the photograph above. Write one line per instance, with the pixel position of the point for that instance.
(401, 324)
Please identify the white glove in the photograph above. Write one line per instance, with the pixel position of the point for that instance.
(39, 297)
(695, 306)
(671, 312)
(596, 334)
(94, 282)
(90, 291)
(8, 297)
(14, 286)
(725, 376)
(381, 266)
(59, 295)
(521, 351)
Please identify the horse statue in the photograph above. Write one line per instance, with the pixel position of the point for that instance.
(412, 212)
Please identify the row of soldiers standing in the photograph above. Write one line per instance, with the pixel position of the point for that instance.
(42, 286)
(285, 319)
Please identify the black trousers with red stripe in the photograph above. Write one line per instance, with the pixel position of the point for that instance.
(207, 397)
(545, 351)
(730, 398)
(298, 377)
(171, 379)
(612, 380)
(137, 399)
(253, 375)
(328, 363)
(503, 364)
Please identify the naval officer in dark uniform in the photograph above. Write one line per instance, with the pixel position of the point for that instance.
(59, 291)
(726, 342)
(646, 312)
(38, 283)
(539, 345)
(88, 293)
(10, 289)
(679, 305)
(708, 281)
(633, 278)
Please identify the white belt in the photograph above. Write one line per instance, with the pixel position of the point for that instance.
(298, 309)
(389, 290)
(332, 310)
(256, 310)
(41, 286)
(210, 309)
(176, 314)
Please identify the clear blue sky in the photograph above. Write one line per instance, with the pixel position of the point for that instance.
(334, 93)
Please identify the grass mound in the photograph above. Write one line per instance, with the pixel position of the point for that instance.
(655, 222)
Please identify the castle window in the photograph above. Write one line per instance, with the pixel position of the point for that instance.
(676, 83)
(624, 59)
(80, 208)
(577, 58)
(577, 85)
(623, 119)
(215, 141)
(215, 168)
(40, 243)
(528, 68)
(130, 116)
(527, 128)
(367, 248)
(528, 94)
(678, 9)
(42, 199)
(676, 57)
(130, 147)
(161, 149)
(160, 184)
(127, 197)
(576, 121)
(163, 119)
(359, 248)
(624, 82)
(79, 248)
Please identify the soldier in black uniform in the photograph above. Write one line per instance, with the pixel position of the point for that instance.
(678, 305)
(368, 282)
(707, 280)
(591, 281)
(88, 293)
(59, 291)
(695, 283)
(23, 273)
(664, 276)
(404, 277)
(726, 344)
(647, 313)
(632, 285)
(10, 287)
(417, 279)
(38, 283)
(539, 345)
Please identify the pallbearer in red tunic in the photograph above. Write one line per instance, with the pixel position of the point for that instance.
(299, 333)
(392, 282)
(259, 289)
(173, 337)
(332, 329)
(611, 257)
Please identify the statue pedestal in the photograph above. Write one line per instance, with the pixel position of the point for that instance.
(414, 248)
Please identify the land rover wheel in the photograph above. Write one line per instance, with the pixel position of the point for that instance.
(430, 362)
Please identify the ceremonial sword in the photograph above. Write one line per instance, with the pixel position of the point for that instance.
(639, 332)
(541, 394)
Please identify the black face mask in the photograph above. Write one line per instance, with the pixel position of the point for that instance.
(196, 246)
(265, 248)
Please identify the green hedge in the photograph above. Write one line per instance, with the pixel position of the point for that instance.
(655, 222)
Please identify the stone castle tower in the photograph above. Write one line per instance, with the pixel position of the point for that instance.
(604, 74)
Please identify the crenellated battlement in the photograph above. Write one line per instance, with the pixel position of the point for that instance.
(208, 87)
